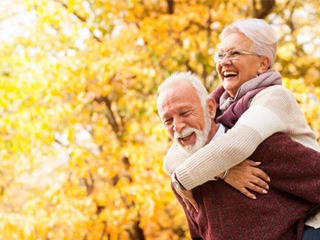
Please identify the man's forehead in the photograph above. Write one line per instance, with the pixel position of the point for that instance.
(180, 90)
(178, 97)
(177, 101)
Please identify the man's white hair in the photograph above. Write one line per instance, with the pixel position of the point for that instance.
(261, 34)
(184, 77)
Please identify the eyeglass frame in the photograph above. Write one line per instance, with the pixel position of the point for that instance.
(236, 57)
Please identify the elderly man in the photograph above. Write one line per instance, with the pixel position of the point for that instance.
(188, 116)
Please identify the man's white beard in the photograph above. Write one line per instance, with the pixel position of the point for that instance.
(201, 136)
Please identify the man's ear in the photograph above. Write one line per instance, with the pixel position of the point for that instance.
(264, 64)
(212, 107)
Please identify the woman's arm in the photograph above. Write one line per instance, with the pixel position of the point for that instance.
(272, 110)
(173, 159)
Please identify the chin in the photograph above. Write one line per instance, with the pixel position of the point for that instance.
(191, 149)
(200, 141)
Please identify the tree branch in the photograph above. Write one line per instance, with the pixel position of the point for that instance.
(110, 115)
(82, 19)
(266, 7)
(170, 6)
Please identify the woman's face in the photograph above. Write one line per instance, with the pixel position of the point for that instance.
(233, 73)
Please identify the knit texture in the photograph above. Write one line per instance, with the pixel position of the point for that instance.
(235, 109)
(275, 107)
(225, 213)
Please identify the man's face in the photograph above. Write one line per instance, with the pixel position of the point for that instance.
(233, 73)
(183, 117)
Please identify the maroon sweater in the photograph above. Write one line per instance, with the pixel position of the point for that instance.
(225, 213)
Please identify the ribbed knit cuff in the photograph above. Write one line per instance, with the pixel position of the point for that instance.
(314, 221)
(184, 178)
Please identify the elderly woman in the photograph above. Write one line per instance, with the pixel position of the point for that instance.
(244, 64)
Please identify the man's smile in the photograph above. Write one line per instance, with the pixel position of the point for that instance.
(188, 139)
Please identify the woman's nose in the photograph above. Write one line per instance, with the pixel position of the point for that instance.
(225, 60)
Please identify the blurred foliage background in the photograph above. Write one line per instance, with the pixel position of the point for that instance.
(81, 143)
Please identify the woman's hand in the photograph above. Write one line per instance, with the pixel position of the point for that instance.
(247, 176)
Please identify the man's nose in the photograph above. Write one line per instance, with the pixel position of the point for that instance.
(178, 125)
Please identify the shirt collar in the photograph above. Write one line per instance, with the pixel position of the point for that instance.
(221, 130)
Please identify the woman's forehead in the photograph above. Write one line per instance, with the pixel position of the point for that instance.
(235, 40)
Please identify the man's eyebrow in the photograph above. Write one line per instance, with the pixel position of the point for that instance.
(165, 116)
(179, 109)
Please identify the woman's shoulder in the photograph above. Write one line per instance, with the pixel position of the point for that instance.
(276, 92)
(278, 98)
(277, 88)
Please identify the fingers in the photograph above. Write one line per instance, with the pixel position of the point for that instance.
(187, 203)
(248, 179)
(188, 199)
(251, 163)
(251, 167)
(248, 194)
(256, 184)
(257, 171)
(194, 204)
(261, 174)
(191, 203)
(257, 188)
(259, 182)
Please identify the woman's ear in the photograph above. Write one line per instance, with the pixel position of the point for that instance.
(264, 64)
(212, 107)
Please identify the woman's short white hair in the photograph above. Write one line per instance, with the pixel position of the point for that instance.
(185, 77)
(262, 35)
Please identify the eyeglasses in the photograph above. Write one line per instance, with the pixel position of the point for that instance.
(233, 54)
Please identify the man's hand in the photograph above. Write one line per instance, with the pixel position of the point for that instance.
(246, 176)
(188, 199)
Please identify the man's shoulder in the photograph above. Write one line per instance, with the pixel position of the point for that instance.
(282, 143)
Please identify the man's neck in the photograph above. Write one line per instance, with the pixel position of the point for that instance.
(213, 132)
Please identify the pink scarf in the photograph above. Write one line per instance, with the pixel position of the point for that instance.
(230, 109)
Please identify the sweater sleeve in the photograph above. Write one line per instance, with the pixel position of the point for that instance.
(271, 110)
(173, 159)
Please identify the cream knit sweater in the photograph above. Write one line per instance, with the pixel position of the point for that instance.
(272, 110)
